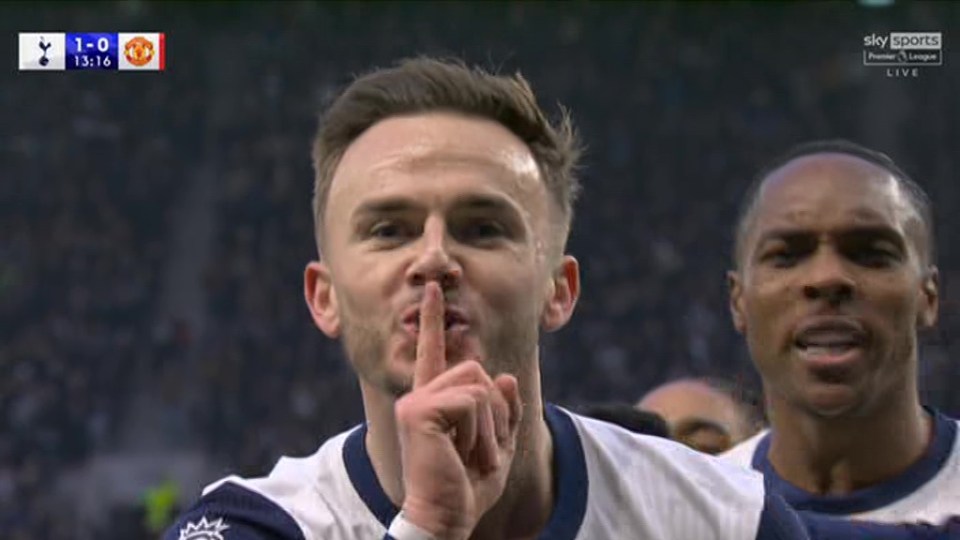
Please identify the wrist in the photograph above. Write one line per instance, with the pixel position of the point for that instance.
(433, 524)
(403, 529)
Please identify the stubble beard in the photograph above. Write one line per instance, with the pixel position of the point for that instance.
(509, 347)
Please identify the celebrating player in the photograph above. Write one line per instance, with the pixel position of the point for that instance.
(443, 202)
(834, 276)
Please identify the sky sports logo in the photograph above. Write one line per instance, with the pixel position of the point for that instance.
(905, 51)
(931, 41)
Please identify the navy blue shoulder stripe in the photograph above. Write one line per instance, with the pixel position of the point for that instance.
(822, 527)
(364, 478)
(871, 498)
(779, 522)
(570, 472)
(232, 512)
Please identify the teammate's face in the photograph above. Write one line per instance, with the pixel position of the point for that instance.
(438, 197)
(833, 287)
(698, 415)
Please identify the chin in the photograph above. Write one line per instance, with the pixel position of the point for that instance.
(833, 402)
(392, 376)
(397, 387)
(393, 382)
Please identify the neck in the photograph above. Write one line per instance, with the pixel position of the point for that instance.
(383, 441)
(842, 454)
(525, 506)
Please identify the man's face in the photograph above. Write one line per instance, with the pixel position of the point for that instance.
(437, 197)
(699, 416)
(833, 286)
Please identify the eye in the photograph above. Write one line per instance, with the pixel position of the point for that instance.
(481, 230)
(783, 257)
(874, 257)
(388, 230)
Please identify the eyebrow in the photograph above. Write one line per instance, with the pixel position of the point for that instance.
(387, 205)
(783, 233)
(788, 234)
(496, 203)
(398, 204)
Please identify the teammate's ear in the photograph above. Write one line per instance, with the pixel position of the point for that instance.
(563, 290)
(930, 298)
(321, 298)
(735, 290)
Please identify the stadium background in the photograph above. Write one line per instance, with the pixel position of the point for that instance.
(154, 227)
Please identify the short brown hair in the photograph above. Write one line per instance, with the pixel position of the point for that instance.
(425, 84)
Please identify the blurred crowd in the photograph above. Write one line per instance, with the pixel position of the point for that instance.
(90, 169)
(678, 104)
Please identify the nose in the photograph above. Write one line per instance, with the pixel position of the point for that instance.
(435, 262)
(827, 278)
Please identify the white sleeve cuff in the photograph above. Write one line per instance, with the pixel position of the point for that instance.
(401, 529)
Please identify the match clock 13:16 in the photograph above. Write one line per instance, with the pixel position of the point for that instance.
(91, 51)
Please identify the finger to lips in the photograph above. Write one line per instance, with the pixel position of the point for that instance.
(431, 354)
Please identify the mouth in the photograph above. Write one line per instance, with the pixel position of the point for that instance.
(830, 343)
(454, 319)
(826, 348)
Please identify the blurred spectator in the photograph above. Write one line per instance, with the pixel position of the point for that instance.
(709, 415)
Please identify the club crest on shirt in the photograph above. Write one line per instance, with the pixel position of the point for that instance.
(203, 530)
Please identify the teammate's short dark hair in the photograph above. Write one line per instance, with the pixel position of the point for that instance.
(917, 196)
(628, 417)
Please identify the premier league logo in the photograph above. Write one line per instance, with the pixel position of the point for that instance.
(203, 530)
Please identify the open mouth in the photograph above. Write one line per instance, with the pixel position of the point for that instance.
(828, 344)
(826, 347)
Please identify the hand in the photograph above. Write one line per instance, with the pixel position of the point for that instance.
(458, 432)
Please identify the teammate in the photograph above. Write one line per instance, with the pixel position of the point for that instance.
(709, 415)
(834, 277)
(443, 201)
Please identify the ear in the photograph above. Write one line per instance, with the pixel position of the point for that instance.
(321, 298)
(735, 291)
(929, 298)
(562, 294)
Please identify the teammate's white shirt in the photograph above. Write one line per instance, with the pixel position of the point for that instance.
(928, 491)
(610, 483)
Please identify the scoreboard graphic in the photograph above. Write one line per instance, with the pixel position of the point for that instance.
(96, 51)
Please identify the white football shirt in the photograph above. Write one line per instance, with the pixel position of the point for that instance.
(928, 491)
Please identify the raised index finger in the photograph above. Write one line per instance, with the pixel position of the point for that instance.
(431, 354)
